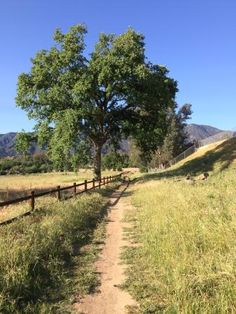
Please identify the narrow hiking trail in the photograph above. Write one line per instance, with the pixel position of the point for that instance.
(110, 299)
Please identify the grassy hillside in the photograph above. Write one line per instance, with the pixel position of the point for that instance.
(185, 260)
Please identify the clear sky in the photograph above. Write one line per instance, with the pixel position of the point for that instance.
(195, 39)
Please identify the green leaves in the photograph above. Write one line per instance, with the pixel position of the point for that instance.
(114, 92)
(23, 142)
(49, 85)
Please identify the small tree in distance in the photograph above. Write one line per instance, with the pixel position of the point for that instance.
(114, 92)
(175, 141)
(23, 143)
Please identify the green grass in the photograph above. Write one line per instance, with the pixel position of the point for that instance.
(42, 257)
(186, 259)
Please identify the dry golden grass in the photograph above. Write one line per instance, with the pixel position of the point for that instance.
(13, 186)
(200, 152)
(45, 180)
(186, 263)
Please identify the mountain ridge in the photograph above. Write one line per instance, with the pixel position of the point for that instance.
(198, 132)
(195, 132)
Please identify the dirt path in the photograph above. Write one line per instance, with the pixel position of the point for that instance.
(110, 299)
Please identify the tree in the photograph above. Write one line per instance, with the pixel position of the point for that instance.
(175, 141)
(114, 92)
(134, 154)
(23, 143)
(183, 114)
(115, 160)
(81, 155)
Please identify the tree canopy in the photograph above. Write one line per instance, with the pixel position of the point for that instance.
(23, 142)
(114, 91)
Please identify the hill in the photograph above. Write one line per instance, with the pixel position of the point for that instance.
(7, 145)
(200, 132)
(7, 142)
(186, 235)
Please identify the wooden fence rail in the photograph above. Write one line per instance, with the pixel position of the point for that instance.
(33, 195)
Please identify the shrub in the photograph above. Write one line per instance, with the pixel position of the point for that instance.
(17, 169)
(143, 169)
(115, 161)
(18, 165)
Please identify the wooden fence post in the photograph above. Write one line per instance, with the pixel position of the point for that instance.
(104, 180)
(32, 203)
(107, 180)
(74, 189)
(85, 185)
(93, 183)
(58, 192)
(99, 182)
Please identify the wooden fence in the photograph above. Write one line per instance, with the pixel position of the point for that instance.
(75, 191)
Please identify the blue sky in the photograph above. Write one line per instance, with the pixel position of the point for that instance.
(195, 39)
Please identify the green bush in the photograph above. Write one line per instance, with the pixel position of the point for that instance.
(115, 161)
(32, 169)
(19, 165)
(45, 168)
(17, 169)
(143, 169)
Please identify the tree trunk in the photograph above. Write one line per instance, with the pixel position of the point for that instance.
(97, 161)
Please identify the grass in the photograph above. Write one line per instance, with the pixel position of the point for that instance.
(18, 185)
(13, 186)
(186, 259)
(38, 255)
(12, 211)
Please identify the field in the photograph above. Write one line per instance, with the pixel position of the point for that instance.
(18, 185)
(12, 186)
(182, 258)
(185, 231)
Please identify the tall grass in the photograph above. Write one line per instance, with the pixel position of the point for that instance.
(12, 186)
(186, 262)
(35, 253)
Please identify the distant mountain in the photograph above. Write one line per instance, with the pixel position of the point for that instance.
(194, 131)
(7, 143)
(200, 132)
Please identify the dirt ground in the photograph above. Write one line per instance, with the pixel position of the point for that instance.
(110, 299)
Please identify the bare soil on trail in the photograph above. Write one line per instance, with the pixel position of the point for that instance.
(110, 299)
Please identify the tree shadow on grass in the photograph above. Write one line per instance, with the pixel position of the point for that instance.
(218, 159)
